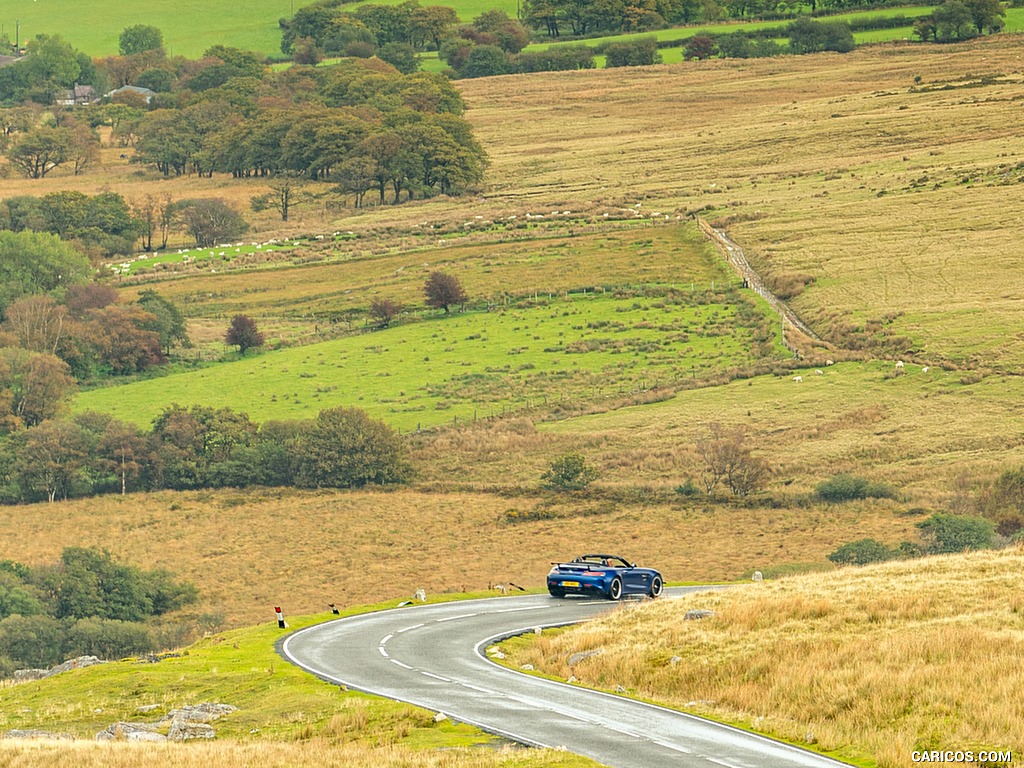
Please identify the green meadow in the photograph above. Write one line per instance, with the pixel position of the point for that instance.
(478, 364)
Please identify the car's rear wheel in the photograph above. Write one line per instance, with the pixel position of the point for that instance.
(615, 589)
(657, 587)
(556, 593)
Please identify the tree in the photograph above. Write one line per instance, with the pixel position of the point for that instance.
(401, 56)
(39, 151)
(444, 291)
(211, 220)
(809, 36)
(285, 191)
(953, 22)
(35, 262)
(168, 321)
(699, 47)
(121, 337)
(37, 322)
(385, 310)
(243, 333)
(346, 448)
(569, 473)
(139, 39)
(33, 387)
(987, 15)
(484, 61)
(83, 147)
(52, 459)
(122, 449)
(728, 459)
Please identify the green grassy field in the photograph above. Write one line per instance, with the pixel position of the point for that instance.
(471, 365)
(285, 716)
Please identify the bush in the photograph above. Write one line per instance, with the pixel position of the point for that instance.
(107, 639)
(569, 473)
(345, 448)
(862, 552)
(846, 487)
(689, 488)
(956, 533)
(643, 51)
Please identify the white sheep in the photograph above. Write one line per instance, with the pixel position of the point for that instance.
(830, 362)
(818, 372)
(925, 369)
(899, 364)
(798, 378)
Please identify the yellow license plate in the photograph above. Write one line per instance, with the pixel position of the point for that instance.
(570, 583)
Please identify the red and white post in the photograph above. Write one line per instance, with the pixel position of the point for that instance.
(280, 617)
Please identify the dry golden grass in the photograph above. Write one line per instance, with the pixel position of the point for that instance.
(876, 662)
(264, 754)
(249, 551)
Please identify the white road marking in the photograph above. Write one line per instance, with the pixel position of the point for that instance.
(384, 640)
(383, 652)
(477, 688)
(403, 666)
(529, 608)
(461, 616)
(674, 747)
(718, 762)
(406, 629)
(436, 677)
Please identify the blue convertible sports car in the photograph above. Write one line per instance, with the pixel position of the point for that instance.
(609, 576)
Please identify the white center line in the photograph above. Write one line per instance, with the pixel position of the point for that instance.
(403, 666)
(383, 652)
(436, 677)
(461, 616)
(385, 639)
(406, 629)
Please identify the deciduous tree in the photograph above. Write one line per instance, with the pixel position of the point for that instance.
(243, 333)
(346, 448)
(443, 291)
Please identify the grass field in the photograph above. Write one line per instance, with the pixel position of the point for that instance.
(476, 364)
(875, 662)
(285, 716)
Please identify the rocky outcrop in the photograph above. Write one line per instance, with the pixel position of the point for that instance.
(130, 732)
(33, 733)
(187, 730)
(27, 675)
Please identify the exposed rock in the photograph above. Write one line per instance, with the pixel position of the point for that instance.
(147, 708)
(527, 667)
(675, 660)
(696, 614)
(440, 717)
(758, 576)
(620, 689)
(576, 658)
(26, 675)
(130, 732)
(199, 713)
(572, 679)
(185, 730)
(33, 733)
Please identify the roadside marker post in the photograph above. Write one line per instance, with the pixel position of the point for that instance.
(280, 618)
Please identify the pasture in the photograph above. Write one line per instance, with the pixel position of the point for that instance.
(478, 364)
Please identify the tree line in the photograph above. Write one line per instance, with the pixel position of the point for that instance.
(86, 604)
(197, 447)
(360, 125)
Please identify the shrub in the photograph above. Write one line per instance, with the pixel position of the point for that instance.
(569, 473)
(862, 552)
(844, 487)
(689, 488)
(956, 533)
(643, 51)
(107, 639)
(346, 448)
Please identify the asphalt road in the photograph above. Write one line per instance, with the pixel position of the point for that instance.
(434, 656)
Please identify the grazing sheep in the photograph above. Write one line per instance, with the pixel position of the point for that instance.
(798, 378)
(758, 576)
(818, 372)
(925, 369)
(899, 364)
(830, 362)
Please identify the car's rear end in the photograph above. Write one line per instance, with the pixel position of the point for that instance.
(579, 579)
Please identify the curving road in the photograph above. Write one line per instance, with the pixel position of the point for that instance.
(434, 656)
